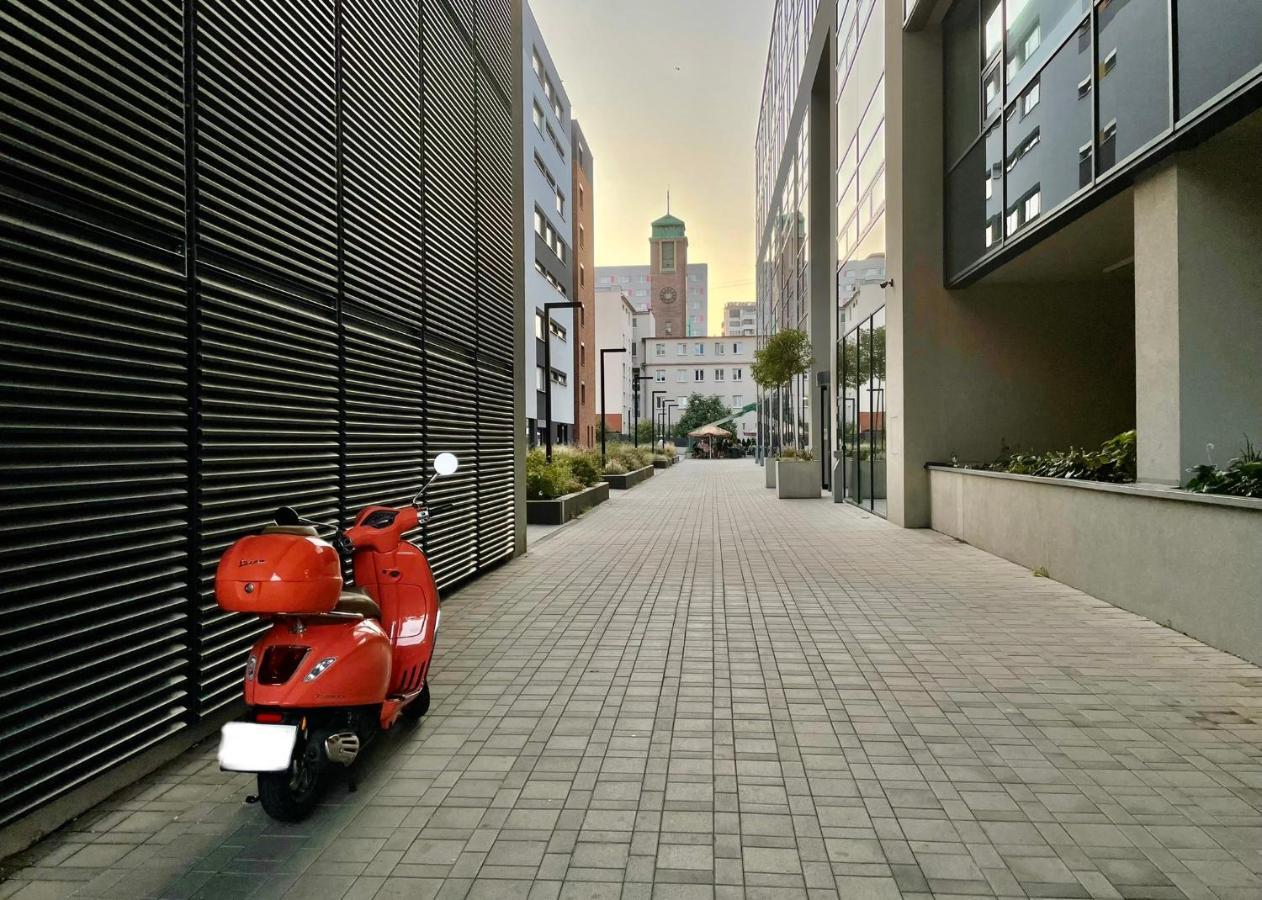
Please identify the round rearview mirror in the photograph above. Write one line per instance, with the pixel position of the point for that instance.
(446, 464)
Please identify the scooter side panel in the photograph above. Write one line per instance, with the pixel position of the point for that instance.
(359, 676)
(403, 586)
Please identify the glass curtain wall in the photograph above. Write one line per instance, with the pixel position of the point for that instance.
(1044, 98)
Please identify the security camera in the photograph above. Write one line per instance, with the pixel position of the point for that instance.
(887, 283)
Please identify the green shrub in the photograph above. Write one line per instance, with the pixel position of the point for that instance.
(1114, 462)
(793, 453)
(584, 464)
(613, 467)
(629, 456)
(1241, 478)
(547, 481)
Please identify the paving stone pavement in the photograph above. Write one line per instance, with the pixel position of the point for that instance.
(700, 691)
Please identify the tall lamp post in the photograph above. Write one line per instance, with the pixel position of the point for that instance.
(604, 422)
(547, 370)
(653, 416)
(821, 379)
(636, 379)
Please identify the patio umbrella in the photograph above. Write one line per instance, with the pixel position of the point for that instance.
(709, 431)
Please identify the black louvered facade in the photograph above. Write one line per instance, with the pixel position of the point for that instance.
(252, 254)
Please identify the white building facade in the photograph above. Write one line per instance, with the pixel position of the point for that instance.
(740, 318)
(714, 365)
(549, 256)
(615, 330)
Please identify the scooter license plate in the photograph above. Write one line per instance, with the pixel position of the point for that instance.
(255, 747)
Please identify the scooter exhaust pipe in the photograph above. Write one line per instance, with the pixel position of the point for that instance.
(342, 748)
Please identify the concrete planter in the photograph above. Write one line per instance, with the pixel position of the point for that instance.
(1188, 561)
(562, 509)
(797, 479)
(630, 479)
(769, 472)
(664, 463)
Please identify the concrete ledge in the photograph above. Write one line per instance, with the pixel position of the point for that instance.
(1192, 562)
(630, 479)
(664, 463)
(798, 479)
(562, 509)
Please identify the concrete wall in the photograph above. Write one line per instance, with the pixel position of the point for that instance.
(1198, 270)
(1186, 561)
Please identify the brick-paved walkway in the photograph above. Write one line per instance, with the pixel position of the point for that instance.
(701, 691)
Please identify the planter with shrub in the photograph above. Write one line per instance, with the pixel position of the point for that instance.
(562, 490)
(797, 475)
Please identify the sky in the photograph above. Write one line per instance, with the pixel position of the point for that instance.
(667, 94)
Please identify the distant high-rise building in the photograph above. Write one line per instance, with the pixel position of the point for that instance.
(740, 317)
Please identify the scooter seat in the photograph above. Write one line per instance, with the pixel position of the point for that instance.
(359, 603)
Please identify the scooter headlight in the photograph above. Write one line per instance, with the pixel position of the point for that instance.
(250, 664)
(319, 668)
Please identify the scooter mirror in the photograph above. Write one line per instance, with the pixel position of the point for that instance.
(446, 464)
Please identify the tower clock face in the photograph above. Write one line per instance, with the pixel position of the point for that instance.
(669, 295)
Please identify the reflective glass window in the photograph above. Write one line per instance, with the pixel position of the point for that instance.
(975, 203)
(962, 53)
(1219, 43)
(1034, 30)
(1133, 74)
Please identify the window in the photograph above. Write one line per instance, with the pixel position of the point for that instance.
(536, 63)
(1030, 99)
(682, 375)
(538, 327)
(560, 203)
(559, 377)
(700, 349)
(738, 374)
(668, 256)
(698, 374)
(681, 349)
(543, 169)
(659, 375)
(670, 328)
(539, 383)
(718, 348)
(580, 198)
(557, 329)
(718, 374)
(736, 347)
(582, 275)
(538, 116)
(539, 226)
(737, 401)
(661, 349)
(582, 237)
(582, 392)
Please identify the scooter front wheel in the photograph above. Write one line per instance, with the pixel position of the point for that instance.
(290, 796)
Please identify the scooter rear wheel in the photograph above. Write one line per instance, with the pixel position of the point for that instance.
(291, 796)
(419, 705)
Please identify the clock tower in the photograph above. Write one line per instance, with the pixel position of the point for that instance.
(668, 277)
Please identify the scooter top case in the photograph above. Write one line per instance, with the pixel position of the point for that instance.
(285, 570)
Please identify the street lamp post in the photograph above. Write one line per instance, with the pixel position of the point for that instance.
(667, 409)
(604, 422)
(547, 370)
(653, 418)
(636, 384)
(824, 444)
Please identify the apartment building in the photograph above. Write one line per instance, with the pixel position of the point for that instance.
(583, 242)
(553, 390)
(740, 318)
(1030, 223)
(615, 331)
(635, 280)
(715, 365)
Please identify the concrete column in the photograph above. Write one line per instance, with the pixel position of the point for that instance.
(822, 235)
(1198, 309)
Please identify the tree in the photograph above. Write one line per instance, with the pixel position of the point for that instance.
(780, 363)
(701, 411)
(644, 431)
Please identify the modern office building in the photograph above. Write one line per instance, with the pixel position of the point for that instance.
(714, 365)
(615, 330)
(740, 318)
(1032, 224)
(583, 240)
(635, 281)
(255, 255)
(552, 390)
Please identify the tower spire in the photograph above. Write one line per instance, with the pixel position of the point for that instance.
(668, 199)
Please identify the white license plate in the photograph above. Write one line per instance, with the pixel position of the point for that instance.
(254, 747)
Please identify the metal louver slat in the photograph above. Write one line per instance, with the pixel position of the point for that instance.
(385, 428)
(93, 393)
(381, 126)
(496, 433)
(269, 438)
(448, 158)
(267, 137)
(497, 222)
(494, 35)
(451, 539)
(94, 109)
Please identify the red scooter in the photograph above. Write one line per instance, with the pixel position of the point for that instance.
(337, 666)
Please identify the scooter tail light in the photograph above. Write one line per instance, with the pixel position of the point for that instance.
(319, 668)
(280, 662)
(269, 718)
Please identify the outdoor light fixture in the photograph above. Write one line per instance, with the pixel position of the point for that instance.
(547, 370)
(653, 414)
(635, 383)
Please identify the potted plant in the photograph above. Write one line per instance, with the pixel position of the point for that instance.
(779, 364)
(797, 475)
